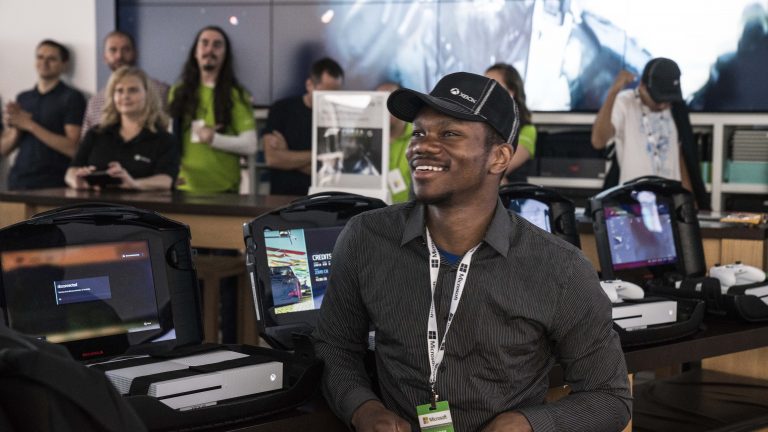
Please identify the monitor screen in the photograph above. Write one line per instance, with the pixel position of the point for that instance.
(534, 211)
(640, 234)
(299, 262)
(567, 52)
(80, 292)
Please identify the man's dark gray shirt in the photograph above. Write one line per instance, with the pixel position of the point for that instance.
(530, 300)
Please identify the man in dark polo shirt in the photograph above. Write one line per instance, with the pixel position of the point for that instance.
(43, 124)
(288, 134)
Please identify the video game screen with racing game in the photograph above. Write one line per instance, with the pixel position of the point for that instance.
(640, 234)
(299, 262)
(534, 211)
(79, 292)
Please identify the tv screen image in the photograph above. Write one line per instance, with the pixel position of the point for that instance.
(80, 292)
(568, 52)
(534, 211)
(299, 262)
(640, 234)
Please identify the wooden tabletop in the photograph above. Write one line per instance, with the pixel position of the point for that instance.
(160, 201)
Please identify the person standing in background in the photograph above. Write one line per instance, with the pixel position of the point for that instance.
(288, 134)
(119, 51)
(131, 143)
(213, 116)
(651, 129)
(510, 79)
(399, 175)
(43, 123)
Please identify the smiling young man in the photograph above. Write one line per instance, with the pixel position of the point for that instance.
(213, 115)
(471, 304)
(43, 123)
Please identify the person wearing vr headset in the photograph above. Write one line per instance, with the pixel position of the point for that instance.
(650, 128)
(471, 304)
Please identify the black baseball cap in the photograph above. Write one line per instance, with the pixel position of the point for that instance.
(661, 77)
(465, 96)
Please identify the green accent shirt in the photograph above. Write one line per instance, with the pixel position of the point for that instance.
(527, 138)
(397, 160)
(204, 168)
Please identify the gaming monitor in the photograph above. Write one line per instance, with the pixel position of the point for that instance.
(77, 292)
(299, 262)
(640, 235)
(647, 229)
(534, 211)
(544, 208)
(289, 252)
(101, 281)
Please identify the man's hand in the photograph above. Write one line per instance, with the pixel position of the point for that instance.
(17, 117)
(372, 416)
(275, 140)
(509, 422)
(623, 79)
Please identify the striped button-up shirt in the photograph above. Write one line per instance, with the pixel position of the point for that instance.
(530, 300)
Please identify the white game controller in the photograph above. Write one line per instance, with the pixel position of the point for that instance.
(736, 274)
(617, 290)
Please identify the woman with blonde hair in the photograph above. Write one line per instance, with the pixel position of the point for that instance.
(131, 148)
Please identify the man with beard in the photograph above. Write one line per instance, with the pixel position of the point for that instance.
(213, 116)
(471, 304)
(43, 123)
(119, 50)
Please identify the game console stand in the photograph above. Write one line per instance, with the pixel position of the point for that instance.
(688, 312)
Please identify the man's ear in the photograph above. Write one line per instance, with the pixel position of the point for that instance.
(501, 156)
(309, 85)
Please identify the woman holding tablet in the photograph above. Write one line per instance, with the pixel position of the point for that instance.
(131, 148)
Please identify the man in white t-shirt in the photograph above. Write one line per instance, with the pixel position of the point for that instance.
(640, 123)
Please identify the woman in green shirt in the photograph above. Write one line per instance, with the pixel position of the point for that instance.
(510, 79)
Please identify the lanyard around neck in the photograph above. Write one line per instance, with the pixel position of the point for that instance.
(435, 346)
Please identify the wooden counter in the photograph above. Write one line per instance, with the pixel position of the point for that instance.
(215, 220)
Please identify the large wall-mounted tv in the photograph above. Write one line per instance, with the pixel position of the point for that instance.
(568, 50)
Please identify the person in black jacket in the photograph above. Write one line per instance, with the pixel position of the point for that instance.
(131, 146)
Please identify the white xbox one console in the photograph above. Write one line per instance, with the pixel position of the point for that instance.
(637, 315)
(201, 389)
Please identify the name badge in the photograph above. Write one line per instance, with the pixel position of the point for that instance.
(396, 181)
(435, 420)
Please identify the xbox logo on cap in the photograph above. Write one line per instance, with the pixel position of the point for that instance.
(455, 91)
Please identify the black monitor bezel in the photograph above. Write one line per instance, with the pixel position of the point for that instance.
(641, 275)
(562, 215)
(262, 278)
(652, 270)
(102, 347)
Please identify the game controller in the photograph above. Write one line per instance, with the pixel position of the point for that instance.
(617, 290)
(736, 274)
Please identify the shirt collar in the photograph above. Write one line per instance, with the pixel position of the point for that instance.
(497, 235)
(115, 131)
(59, 85)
